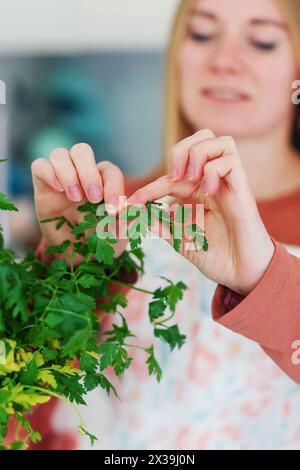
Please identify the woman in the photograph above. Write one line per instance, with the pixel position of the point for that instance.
(230, 73)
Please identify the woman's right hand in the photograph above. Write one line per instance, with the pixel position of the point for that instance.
(240, 248)
(68, 179)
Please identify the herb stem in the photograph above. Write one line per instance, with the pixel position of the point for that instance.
(60, 397)
(131, 286)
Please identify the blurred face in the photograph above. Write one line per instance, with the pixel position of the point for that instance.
(236, 67)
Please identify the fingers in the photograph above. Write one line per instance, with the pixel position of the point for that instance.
(180, 152)
(220, 168)
(204, 149)
(83, 159)
(80, 175)
(208, 150)
(201, 155)
(161, 187)
(77, 173)
(66, 173)
(43, 174)
(114, 186)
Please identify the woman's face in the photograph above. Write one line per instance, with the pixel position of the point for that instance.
(236, 67)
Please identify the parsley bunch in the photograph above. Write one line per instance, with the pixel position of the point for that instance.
(51, 314)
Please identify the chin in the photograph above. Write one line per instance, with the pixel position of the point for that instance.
(237, 128)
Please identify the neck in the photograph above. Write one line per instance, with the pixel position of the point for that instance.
(271, 163)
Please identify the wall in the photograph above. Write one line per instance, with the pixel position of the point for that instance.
(60, 26)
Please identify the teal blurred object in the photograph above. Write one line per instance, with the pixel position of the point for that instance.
(75, 107)
(111, 100)
(77, 103)
(42, 142)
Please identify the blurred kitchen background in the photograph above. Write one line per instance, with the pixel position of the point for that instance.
(78, 71)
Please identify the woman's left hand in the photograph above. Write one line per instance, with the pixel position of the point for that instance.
(240, 248)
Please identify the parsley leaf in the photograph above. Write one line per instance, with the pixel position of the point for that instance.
(6, 204)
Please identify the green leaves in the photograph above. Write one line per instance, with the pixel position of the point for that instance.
(88, 362)
(115, 356)
(107, 385)
(84, 432)
(71, 387)
(153, 366)
(51, 250)
(104, 252)
(171, 335)
(138, 229)
(13, 287)
(30, 374)
(166, 297)
(102, 249)
(88, 280)
(61, 220)
(179, 224)
(76, 343)
(171, 294)
(119, 333)
(6, 204)
(47, 377)
(198, 238)
(156, 309)
(48, 313)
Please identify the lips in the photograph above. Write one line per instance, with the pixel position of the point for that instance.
(225, 95)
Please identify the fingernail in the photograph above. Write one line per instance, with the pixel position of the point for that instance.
(75, 192)
(58, 185)
(94, 193)
(174, 174)
(112, 205)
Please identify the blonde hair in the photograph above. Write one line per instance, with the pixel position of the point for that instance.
(175, 126)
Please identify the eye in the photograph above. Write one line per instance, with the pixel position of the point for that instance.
(265, 46)
(200, 37)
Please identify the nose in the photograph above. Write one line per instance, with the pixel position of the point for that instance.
(226, 57)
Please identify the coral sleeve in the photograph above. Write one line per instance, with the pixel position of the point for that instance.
(270, 314)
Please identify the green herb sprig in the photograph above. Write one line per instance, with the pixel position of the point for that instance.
(54, 313)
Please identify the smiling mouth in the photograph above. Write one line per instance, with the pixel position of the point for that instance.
(222, 95)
